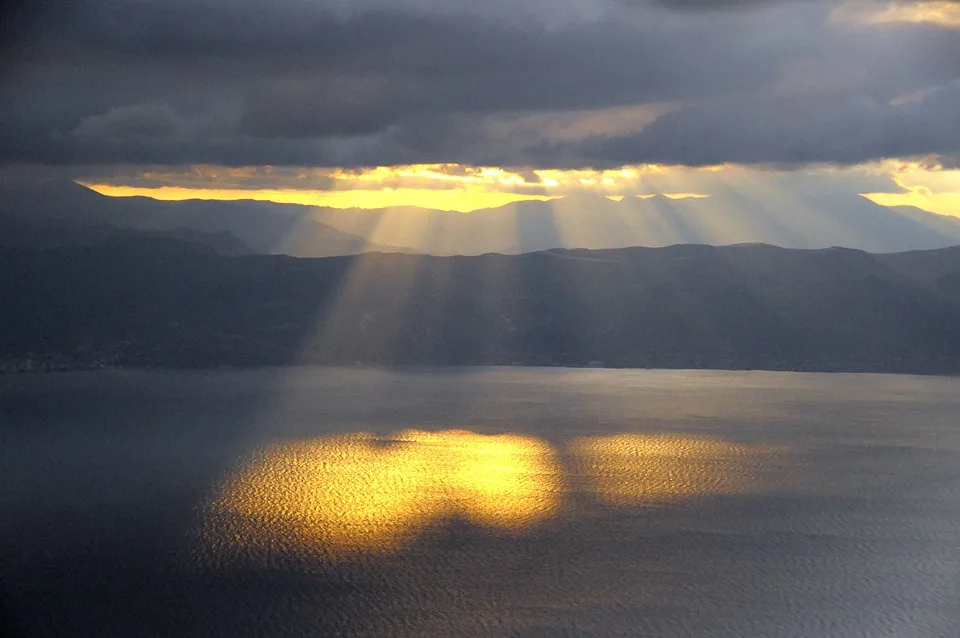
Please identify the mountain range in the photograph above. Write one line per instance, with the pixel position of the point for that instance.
(64, 213)
(156, 302)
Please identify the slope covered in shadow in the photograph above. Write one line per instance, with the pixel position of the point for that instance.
(685, 306)
(65, 208)
(53, 233)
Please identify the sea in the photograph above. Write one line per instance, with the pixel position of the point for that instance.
(520, 502)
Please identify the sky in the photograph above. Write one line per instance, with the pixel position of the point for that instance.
(461, 105)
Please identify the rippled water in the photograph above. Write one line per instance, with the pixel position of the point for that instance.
(479, 502)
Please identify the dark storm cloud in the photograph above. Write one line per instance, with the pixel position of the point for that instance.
(847, 130)
(707, 5)
(20, 18)
(331, 82)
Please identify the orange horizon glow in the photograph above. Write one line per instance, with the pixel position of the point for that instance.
(450, 200)
(445, 187)
(462, 188)
(931, 188)
(456, 200)
(942, 13)
(685, 195)
(946, 204)
(453, 200)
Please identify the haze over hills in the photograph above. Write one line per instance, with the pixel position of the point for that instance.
(687, 306)
(596, 222)
(581, 221)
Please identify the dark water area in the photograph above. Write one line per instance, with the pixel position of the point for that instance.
(479, 502)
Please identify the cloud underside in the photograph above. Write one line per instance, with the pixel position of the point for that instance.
(565, 83)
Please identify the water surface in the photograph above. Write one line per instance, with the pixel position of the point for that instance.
(479, 502)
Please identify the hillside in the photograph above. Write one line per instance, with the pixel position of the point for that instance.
(685, 306)
(53, 233)
(73, 213)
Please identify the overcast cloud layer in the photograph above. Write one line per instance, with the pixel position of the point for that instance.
(546, 83)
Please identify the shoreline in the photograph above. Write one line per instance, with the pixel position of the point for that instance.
(426, 367)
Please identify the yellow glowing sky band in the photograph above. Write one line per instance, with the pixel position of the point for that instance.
(459, 200)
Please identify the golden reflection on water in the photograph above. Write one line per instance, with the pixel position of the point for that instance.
(362, 493)
(359, 492)
(632, 469)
